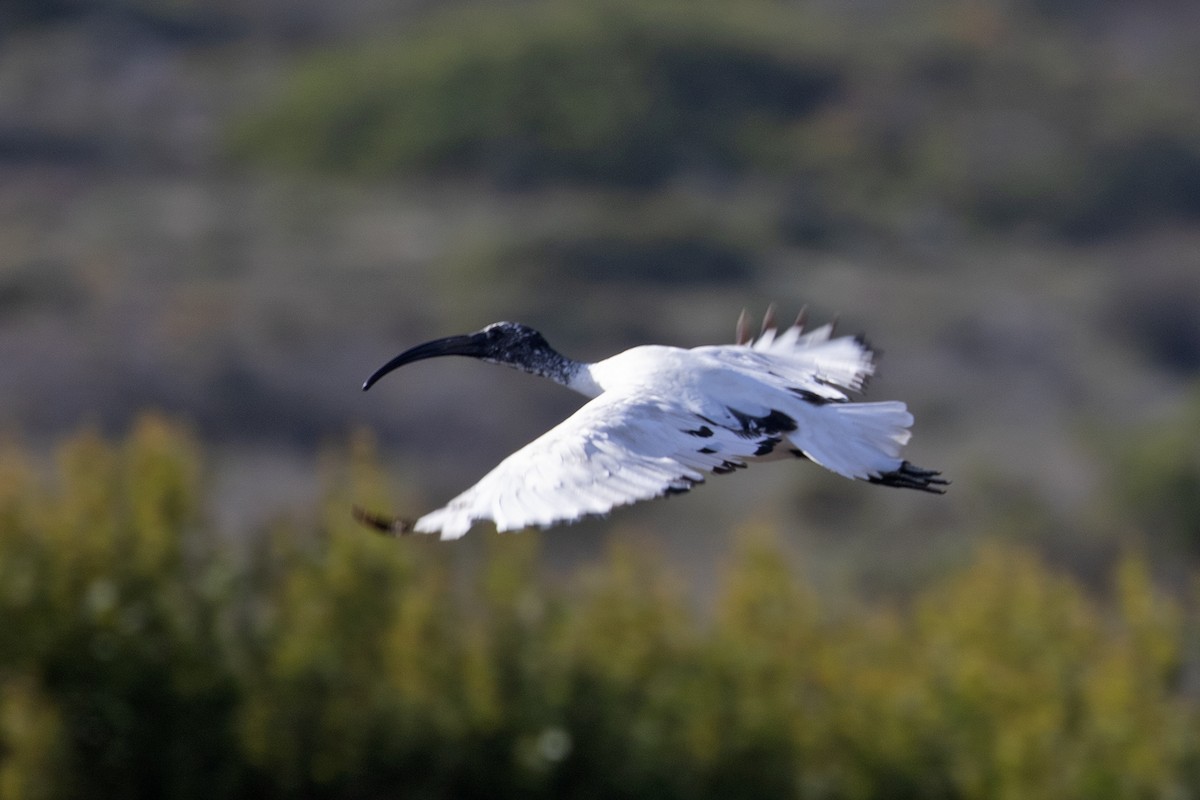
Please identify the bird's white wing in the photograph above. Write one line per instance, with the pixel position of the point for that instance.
(842, 361)
(812, 364)
(615, 450)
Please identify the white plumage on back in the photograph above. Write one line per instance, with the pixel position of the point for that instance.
(663, 417)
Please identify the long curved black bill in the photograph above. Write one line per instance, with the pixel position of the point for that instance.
(466, 345)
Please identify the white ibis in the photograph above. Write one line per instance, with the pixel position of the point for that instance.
(662, 417)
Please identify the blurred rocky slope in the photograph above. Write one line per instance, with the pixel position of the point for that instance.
(233, 212)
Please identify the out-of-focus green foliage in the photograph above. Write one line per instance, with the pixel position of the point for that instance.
(997, 114)
(1159, 478)
(137, 661)
(638, 253)
(619, 93)
(110, 668)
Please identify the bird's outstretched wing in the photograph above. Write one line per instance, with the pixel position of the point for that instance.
(844, 362)
(838, 362)
(812, 363)
(613, 451)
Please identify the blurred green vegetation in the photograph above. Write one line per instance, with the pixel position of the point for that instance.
(138, 659)
(1159, 478)
(676, 158)
(648, 252)
(1000, 115)
(618, 93)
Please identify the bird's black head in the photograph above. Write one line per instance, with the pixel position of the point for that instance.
(508, 343)
(511, 342)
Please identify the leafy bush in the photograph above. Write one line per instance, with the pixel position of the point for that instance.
(995, 118)
(1158, 478)
(40, 286)
(599, 92)
(109, 666)
(1150, 178)
(668, 254)
(137, 660)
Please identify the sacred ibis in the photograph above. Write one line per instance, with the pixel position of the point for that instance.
(662, 417)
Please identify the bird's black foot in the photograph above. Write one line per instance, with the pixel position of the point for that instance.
(910, 476)
(388, 526)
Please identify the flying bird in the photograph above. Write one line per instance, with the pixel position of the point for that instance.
(660, 418)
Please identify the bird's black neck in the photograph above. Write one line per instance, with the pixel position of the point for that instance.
(548, 363)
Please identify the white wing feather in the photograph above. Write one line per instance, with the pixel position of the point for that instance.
(845, 361)
(613, 451)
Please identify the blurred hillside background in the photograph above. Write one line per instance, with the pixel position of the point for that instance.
(230, 213)
(233, 212)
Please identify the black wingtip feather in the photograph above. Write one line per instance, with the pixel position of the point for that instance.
(682, 485)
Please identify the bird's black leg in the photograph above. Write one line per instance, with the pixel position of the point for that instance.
(389, 526)
(910, 476)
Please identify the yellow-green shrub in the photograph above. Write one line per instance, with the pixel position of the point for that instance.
(137, 660)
